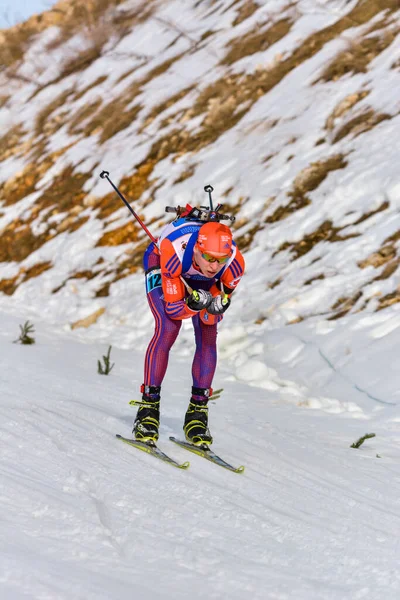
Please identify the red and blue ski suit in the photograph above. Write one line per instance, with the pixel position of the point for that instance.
(165, 264)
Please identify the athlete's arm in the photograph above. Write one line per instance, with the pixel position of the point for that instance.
(231, 276)
(229, 281)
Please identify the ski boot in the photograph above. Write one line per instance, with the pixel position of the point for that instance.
(147, 419)
(196, 418)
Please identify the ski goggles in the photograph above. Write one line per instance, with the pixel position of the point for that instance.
(220, 259)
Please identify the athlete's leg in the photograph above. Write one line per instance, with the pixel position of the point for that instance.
(203, 368)
(165, 331)
(205, 358)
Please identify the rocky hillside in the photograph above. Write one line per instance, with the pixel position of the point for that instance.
(290, 109)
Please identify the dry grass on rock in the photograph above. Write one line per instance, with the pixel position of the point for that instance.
(245, 240)
(326, 232)
(246, 10)
(385, 257)
(117, 115)
(14, 42)
(377, 259)
(225, 101)
(132, 187)
(20, 186)
(99, 21)
(359, 54)
(343, 305)
(306, 181)
(344, 107)
(389, 299)
(389, 270)
(111, 119)
(89, 320)
(163, 106)
(125, 234)
(257, 41)
(9, 285)
(361, 123)
(44, 124)
(67, 15)
(11, 142)
(186, 174)
(79, 122)
(362, 13)
(17, 240)
(371, 213)
(90, 86)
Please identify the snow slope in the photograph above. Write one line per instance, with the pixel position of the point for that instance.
(84, 516)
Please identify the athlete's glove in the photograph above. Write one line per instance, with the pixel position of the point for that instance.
(218, 305)
(199, 299)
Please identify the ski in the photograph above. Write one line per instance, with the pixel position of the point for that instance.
(208, 454)
(154, 451)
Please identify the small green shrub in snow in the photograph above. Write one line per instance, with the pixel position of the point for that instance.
(24, 337)
(107, 368)
(362, 439)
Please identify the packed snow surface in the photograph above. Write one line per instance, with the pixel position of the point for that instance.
(86, 517)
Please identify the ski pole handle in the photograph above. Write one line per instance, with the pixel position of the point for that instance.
(187, 286)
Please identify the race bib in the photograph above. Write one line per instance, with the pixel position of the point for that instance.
(153, 280)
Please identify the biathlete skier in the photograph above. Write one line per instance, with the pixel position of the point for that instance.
(190, 273)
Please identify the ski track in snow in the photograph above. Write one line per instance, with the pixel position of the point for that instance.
(84, 516)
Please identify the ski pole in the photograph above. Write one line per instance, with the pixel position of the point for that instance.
(209, 189)
(106, 175)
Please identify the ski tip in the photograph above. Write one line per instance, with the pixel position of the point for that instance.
(185, 465)
(207, 453)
